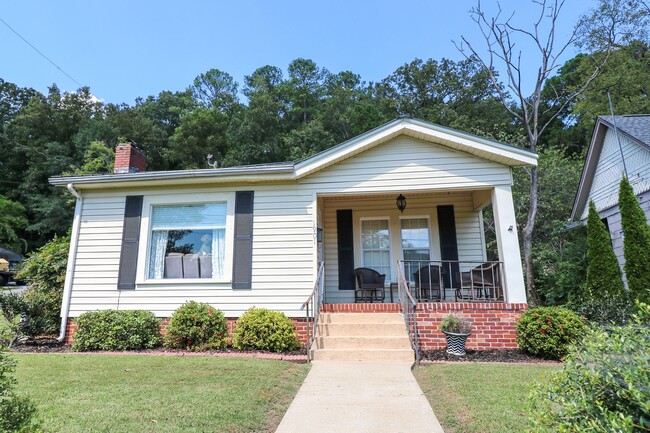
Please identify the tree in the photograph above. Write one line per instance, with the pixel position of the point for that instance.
(202, 132)
(304, 90)
(605, 298)
(636, 243)
(501, 36)
(12, 220)
(215, 89)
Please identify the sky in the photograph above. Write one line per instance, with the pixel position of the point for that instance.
(123, 49)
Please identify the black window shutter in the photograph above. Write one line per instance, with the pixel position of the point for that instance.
(345, 244)
(130, 240)
(242, 266)
(448, 243)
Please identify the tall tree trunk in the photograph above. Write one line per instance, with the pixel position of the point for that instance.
(529, 228)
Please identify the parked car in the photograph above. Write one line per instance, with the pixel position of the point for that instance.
(8, 262)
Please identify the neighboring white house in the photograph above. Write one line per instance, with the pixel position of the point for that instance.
(612, 152)
(239, 237)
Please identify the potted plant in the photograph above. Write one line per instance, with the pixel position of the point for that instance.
(456, 330)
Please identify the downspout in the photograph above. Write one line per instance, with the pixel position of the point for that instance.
(72, 257)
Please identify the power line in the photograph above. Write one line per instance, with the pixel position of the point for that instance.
(42, 55)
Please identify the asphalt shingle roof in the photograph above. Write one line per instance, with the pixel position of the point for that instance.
(636, 125)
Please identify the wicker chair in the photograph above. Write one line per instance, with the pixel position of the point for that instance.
(428, 283)
(370, 285)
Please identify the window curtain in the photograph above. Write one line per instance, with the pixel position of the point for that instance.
(218, 253)
(157, 257)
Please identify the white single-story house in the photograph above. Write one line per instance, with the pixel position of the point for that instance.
(619, 144)
(239, 237)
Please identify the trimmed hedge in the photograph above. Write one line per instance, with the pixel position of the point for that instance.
(117, 330)
(197, 326)
(549, 332)
(262, 329)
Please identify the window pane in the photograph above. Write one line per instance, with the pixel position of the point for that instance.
(188, 241)
(415, 239)
(375, 244)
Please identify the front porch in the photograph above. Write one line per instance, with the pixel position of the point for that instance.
(436, 246)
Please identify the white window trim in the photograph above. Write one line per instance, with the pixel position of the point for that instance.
(429, 228)
(179, 198)
(357, 223)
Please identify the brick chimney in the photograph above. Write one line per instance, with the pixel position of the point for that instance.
(129, 159)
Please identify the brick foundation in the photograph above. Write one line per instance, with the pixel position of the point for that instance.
(301, 328)
(493, 325)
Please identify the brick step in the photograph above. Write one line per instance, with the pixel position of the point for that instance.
(383, 342)
(361, 318)
(375, 355)
(361, 329)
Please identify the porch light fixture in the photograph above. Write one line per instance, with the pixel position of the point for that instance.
(400, 202)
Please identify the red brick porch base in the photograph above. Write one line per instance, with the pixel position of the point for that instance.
(301, 328)
(493, 325)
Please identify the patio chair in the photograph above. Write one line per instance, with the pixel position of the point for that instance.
(482, 282)
(427, 283)
(370, 285)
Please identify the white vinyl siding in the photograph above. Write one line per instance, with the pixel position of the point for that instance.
(607, 177)
(284, 228)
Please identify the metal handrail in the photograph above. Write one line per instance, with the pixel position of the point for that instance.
(313, 304)
(409, 311)
(456, 280)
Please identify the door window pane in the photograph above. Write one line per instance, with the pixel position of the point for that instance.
(375, 244)
(416, 244)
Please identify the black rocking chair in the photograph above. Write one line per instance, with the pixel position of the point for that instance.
(370, 285)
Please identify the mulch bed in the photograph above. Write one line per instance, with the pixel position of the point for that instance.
(501, 355)
(50, 345)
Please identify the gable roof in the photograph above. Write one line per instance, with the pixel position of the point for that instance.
(481, 147)
(634, 126)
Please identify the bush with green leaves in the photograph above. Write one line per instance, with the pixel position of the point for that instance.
(605, 299)
(604, 384)
(17, 413)
(117, 330)
(549, 332)
(636, 243)
(262, 329)
(44, 271)
(12, 308)
(197, 326)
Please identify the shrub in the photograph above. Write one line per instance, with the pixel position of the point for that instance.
(17, 413)
(603, 386)
(197, 326)
(636, 243)
(259, 328)
(605, 295)
(12, 308)
(44, 271)
(117, 330)
(453, 324)
(549, 331)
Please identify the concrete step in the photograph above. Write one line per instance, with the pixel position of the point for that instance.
(361, 318)
(382, 342)
(375, 355)
(361, 329)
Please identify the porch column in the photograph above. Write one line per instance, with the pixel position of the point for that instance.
(505, 225)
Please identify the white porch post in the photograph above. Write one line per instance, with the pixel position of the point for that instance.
(505, 226)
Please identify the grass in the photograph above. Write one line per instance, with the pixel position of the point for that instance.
(480, 398)
(103, 393)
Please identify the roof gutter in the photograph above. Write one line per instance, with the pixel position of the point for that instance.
(72, 257)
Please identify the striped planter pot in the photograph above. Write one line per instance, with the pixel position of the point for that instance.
(456, 343)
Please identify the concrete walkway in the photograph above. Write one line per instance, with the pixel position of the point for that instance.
(359, 397)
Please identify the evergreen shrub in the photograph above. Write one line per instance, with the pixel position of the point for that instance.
(549, 332)
(262, 329)
(117, 330)
(197, 326)
(604, 384)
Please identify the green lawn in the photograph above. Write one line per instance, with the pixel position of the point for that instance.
(102, 393)
(480, 398)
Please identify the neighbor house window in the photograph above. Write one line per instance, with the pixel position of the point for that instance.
(188, 241)
(416, 244)
(375, 244)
